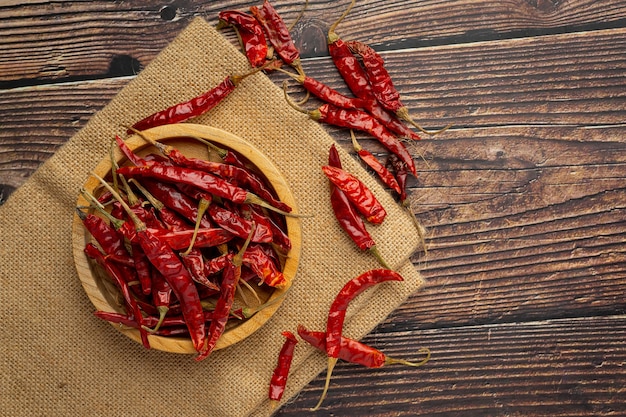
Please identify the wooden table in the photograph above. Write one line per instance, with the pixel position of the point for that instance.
(524, 198)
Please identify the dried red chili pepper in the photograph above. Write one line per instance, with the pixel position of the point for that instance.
(337, 314)
(200, 179)
(109, 240)
(401, 174)
(237, 225)
(357, 352)
(264, 267)
(205, 238)
(195, 106)
(230, 279)
(251, 35)
(346, 215)
(161, 298)
(382, 84)
(236, 174)
(175, 200)
(357, 192)
(371, 161)
(361, 121)
(114, 273)
(163, 258)
(334, 97)
(281, 372)
(278, 34)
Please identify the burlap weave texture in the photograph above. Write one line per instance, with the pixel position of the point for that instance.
(59, 360)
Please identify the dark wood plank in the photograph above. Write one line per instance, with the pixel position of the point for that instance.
(570, 367)
(86, 40)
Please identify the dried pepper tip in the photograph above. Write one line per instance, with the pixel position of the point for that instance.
(332, 36)
(331, 365)
(393, 361)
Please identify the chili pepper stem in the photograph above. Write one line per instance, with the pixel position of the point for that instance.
(306, 3)
(374, 251)
(331, 365)
(332, 36)
(254, 199)
(203, 205)
(393, 361)
(162, 312)
(403, 114)
(139, 225)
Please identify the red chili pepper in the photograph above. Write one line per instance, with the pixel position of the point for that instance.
(250, 34)
(114, 273)
(281, 372)
(401, 174)
(278, 34)
(161, 298)
(382, 84)
(106, 236)
(230, 279)
(215, 265)
(206, 238)
(358, 193)
(347, 216)
(357, 352)
(163, 258)
(334, 97)
(383, 173)
(237, 225)
(337, 314)
(280, 238)
(193, 107)
(263, 266)
(203, 180)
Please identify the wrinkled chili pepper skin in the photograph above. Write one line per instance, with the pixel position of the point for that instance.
(380, 80)
(203, 180)
(188, 109)
(337, 311)
(277, 32)
(230, 278)
(179, 279)
(240, 176)
(206, 237)
(350, 68)
(334, 97)
(350, 350)
(382, 172)
(281, 372)
(251, 33)
(365, 122)
(401, 175)
(263, 266)
(357, 192)
(344, 212)
(237, 225)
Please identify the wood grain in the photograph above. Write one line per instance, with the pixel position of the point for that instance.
(523, 198)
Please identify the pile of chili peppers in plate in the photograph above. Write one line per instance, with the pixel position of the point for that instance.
(180, 237)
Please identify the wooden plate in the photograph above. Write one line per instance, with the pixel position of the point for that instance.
(103, 295)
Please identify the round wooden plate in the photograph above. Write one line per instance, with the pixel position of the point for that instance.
(103, 295)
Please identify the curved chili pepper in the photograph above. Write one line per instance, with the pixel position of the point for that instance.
(365, 122)
(357, 352)
(281, 372)
(358, 193)
(263, 266)
(237, 225)
(163, 258)
(371, 161)
(250, 33)
(230, 278)
(106, 236)
(206, 237)
(114, 273)
(337, 314)
(347, 216)
(401, 174)
(382, 84)
(193, 107)
(200, 179)
(278, 34)
(334, 97)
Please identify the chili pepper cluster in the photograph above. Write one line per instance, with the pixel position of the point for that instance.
(179, 237)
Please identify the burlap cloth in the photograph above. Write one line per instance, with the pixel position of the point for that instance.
(59, 360)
